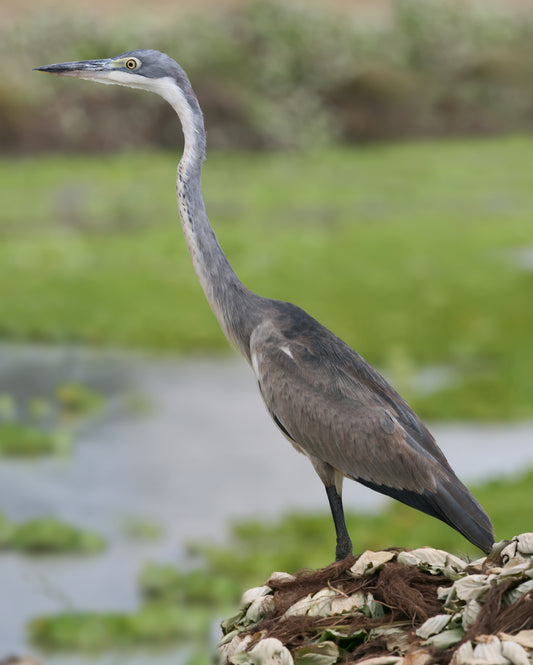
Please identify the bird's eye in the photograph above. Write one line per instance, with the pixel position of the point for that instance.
(131, 63)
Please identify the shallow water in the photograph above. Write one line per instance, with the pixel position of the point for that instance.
(203, 454)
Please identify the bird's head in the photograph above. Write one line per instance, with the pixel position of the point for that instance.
(146, 69)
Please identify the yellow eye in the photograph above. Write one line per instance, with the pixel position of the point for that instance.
(131, 63)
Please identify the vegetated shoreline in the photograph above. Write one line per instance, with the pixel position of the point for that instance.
(274, 75)
(93, 257)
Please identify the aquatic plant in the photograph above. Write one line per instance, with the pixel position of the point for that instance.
(43, 425)
(47, 535)
(21, 440)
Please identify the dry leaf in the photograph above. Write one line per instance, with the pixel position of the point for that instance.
(370, 561)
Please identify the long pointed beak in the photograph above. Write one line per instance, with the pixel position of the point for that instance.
(85, 69)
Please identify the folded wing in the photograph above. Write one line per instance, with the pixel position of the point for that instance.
(337, 408)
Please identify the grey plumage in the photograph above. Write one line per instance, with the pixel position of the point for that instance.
(323, 396)
(329, 401)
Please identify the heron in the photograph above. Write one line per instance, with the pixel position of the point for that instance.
(324, 397)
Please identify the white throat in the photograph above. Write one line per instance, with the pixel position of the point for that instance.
(165, 87)
(203, 247)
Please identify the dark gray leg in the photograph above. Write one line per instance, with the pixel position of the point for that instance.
(344, 544)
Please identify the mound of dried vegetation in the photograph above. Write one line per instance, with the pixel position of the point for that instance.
(392, 607)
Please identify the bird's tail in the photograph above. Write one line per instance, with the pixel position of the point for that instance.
(451, 503)
(454, 504)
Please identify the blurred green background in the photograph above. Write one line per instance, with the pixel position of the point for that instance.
(369, 161)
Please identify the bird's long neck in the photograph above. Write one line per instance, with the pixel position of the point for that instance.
(232, 303)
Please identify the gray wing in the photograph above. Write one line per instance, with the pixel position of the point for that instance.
(336, 408)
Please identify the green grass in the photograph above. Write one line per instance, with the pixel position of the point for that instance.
(19, 440)
(179, 605)
(47, 535)
(398, 249)
(92, 631)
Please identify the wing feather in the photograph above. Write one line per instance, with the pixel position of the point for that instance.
(343, 414)
(337, 408)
